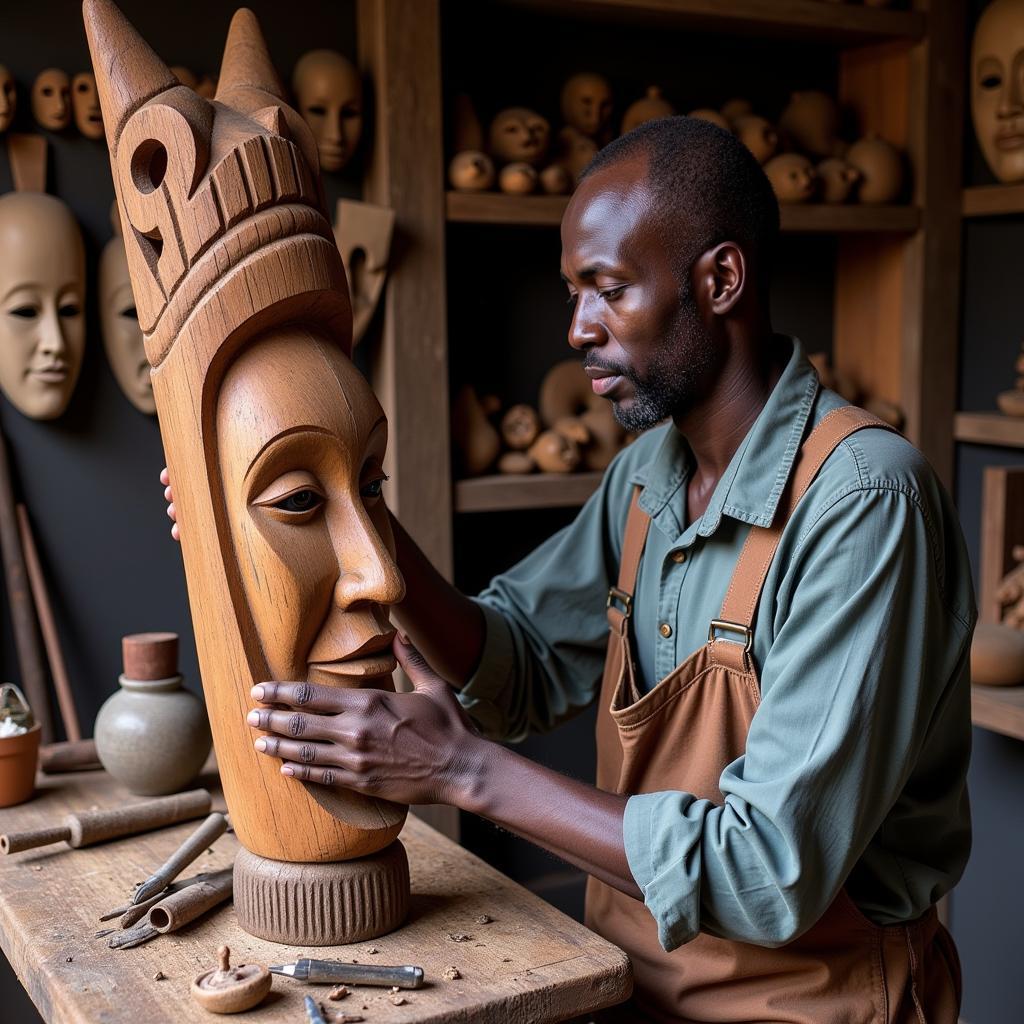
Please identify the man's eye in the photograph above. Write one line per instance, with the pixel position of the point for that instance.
(300, 501)
(25, 312)
(374, 488)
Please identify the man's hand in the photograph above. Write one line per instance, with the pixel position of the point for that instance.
(165, 479)
(412, 748)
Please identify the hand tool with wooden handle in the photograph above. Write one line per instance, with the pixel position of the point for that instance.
(88, 827)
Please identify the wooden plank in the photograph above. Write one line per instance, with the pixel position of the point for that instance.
(1002, 528)
(547, 211)
(532, 963)
(999, 708)
(839, 23)
(522, 491)
(993, 200)
(989, 428)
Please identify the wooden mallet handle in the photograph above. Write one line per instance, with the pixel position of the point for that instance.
(88, 827)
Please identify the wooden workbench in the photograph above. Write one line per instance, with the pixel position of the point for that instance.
(530, 964)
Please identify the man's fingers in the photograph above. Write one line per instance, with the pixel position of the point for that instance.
(321, 699)
(302, 751)
(291, 723)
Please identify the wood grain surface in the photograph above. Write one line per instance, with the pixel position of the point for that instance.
(529, 963)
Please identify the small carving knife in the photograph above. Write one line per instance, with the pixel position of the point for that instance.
(332, 972)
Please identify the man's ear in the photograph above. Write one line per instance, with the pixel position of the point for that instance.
(719, 278)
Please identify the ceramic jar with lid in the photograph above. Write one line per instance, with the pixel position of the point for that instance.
(152, 735)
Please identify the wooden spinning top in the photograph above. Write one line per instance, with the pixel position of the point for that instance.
(231, 989)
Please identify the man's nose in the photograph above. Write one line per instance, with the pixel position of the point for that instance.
(586, 329)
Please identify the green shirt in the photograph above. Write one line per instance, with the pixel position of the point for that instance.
(855, 763)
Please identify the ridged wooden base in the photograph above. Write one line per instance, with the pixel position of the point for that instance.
(322, 904)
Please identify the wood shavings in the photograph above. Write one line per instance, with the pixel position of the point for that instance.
(338, 992)
(452, 973)
(459, 937)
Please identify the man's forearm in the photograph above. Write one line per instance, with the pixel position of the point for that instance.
(445, 625)
(579, 823)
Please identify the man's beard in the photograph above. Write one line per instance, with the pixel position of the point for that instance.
(676, 369)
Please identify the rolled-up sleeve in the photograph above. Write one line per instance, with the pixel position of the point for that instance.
(864, 655)
(546, 626)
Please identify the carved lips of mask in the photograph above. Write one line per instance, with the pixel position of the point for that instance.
(51, 99)
(86, 104)
(997, 88)
(42, 295)
(329, 94)
(8, 98)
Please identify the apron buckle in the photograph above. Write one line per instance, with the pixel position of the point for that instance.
(731, 627)
(617, 596)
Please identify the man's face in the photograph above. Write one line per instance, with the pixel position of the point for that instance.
(637, 324)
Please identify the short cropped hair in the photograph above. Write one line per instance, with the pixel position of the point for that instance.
(708, 186)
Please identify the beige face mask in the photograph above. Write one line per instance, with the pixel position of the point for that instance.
(329, 95)
(86, 104)
(997, 88)
(8, 98)
(122, 336)
(51, 99)
(42, 298)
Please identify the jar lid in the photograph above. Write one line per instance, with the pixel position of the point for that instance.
(150, 655)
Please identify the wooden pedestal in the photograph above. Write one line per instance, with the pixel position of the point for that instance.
(329, 904)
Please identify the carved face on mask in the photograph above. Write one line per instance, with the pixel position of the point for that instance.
(42, 297)
(51, 99)
(86, 105)
(997, 88)
(8, 98)
(587, 104)
(122, 336)
(329, 95)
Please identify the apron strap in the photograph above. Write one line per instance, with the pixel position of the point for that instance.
(620, 597)
(740, 604)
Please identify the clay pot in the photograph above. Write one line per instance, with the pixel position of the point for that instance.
(152, 735)
(650, 108)
(19, 756)
(471, 171)
(732, 110)
(517, 180)
(516, 462)
(1011, 403)
(520, 427)
(793, 178)
(713, 116)
(838, 178)
(758, 135)
(810, 123)
(476, 440)
(555, 180)
(881, 168)
(997, 655)
(555, 453)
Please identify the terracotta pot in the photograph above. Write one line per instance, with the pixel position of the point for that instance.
(19, 756)
(153, 735)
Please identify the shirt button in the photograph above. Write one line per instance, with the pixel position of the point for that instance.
(679, 556)
(665, 630)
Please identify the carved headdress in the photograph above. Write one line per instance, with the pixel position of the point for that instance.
(227, 241)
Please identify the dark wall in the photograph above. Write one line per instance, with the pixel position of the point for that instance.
(90, 478)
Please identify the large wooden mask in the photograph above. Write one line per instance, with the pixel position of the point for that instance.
(273, 440)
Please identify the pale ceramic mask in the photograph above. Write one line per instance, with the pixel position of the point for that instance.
(51, 99)
(42, 299)
(8, 98)
(329, 95)
(302, 486)
(997, 88)
(85, 102)
(519, 135)
(587, 103)
(122, 336)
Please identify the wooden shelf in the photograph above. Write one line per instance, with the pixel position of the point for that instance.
(999, 708)
(546, 211)
(842, 24)
(989, 428)
(993, 200)
(511, 491)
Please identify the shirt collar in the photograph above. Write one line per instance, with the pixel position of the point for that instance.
(754, 480)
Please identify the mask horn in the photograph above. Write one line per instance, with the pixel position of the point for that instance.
(246, 63)
(128, 72)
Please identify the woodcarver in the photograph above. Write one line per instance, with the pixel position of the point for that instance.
(770, 601)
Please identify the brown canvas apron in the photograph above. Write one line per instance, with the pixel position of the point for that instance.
(681, 736)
